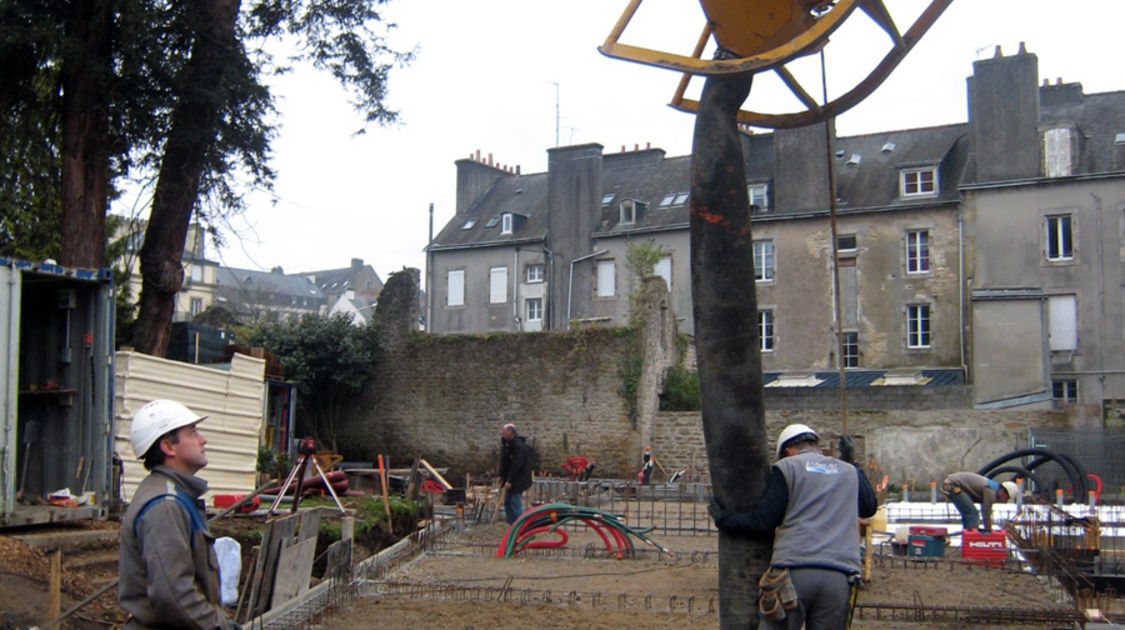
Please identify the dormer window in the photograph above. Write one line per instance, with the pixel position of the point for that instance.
(758, 196)
(506, 223)
(631, 210)
(918, 182)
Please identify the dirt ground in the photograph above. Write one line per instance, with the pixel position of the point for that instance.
(576, 586)
(448, 588)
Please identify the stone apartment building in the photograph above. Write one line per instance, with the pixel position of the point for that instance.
(926, 245)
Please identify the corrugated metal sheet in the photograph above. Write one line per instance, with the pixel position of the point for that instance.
(231, 395)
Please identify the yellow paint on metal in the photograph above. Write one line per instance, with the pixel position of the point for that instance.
(750, 28)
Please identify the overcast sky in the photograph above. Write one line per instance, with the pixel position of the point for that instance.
(491, 74)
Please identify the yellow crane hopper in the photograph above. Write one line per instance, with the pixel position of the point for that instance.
(758, 35)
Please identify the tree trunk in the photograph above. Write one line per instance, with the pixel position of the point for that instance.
(726, 333)
(194, 128)
(85, 144)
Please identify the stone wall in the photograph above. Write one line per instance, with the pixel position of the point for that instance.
(445, 398)
(912, 446)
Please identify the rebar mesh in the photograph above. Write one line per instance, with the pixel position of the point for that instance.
(1098, 451)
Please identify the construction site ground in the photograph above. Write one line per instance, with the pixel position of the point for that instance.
(458, 584)
(455, 584)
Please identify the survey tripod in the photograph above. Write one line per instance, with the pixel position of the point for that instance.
(306, 451)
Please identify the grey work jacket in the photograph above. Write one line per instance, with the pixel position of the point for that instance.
(169, 574)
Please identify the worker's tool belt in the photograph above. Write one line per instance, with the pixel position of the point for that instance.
(777, 593)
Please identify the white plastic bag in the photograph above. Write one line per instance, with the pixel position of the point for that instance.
(229, 554)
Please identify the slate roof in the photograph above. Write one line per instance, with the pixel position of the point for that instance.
(292, 285)
(336, 281)
(870, 185)
(647, 181)
(522, 195)
(1099, 118)
(874, 181)
(647, 176)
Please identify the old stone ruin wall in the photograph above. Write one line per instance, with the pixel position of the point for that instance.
(445, 397)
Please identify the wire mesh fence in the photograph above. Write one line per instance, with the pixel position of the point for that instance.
(1098, 450)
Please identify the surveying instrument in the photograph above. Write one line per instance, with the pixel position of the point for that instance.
(306, 451)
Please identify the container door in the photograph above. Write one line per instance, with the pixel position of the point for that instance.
(10, 287)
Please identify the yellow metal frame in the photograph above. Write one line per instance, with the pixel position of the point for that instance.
(805, 43)
(809, 41)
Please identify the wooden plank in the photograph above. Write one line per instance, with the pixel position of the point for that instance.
(339, 560)
(283, 528)
(54, 589)
(252, 606)
(294, 567)
(310, 525)
(412, 485)
(445, 484)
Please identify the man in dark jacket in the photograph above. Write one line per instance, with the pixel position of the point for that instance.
(169, 574)
(515, 471)
(811, 505)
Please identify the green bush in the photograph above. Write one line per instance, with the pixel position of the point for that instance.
(681, 390)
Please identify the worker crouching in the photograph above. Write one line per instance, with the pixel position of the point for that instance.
(811, 504)
(966, 488)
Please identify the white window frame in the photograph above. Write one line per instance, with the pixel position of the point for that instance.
(1060, 237)
(534, 309)
(535, 273)
(849, 349)
(196, 306)
(849, 251)
(629, 210)
(1065, 391)
(497, 285)
(1062, 323)
(919, 326)
(506, 222)
(455, 287)
(914, 183)
(759, 192)
(917, 251)
(606, 278)
(767, 330)
(765, 261)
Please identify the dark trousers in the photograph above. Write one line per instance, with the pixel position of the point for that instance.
(824, 597)
(513, 506)
(970, 517)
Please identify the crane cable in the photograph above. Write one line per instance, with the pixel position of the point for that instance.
(835, 250)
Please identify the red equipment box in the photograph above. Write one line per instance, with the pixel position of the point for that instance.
(223, 501)
(922, 530)
(978, 548)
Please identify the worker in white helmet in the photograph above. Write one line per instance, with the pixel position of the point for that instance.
(168, 571)
(811, 506)
(966, 488)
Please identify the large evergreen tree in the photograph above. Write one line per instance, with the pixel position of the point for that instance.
(102, 88)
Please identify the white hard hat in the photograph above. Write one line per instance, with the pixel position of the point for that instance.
(792, 432)
(1012, 488)
(154, 420)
